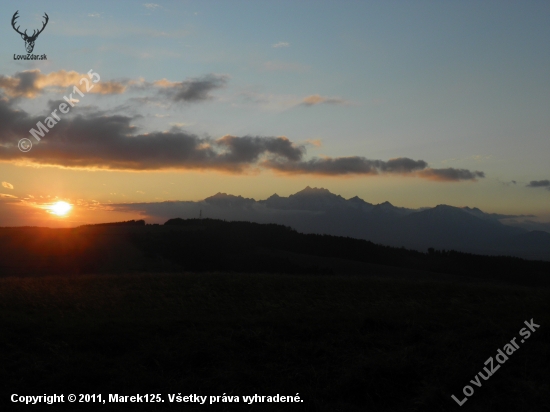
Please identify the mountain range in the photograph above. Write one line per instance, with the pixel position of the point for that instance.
(317, 210)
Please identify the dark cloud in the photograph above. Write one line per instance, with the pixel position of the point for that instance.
(21, 84)
(451, 175)
(248, 149)
(346, 166)
(539, 183)
(402, 165)
(14, 123)
(355, 165)
(96, 139)
(112, 142)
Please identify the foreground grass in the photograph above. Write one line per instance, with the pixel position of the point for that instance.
(344, 343)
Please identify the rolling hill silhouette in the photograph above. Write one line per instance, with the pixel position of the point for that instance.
(210, 245)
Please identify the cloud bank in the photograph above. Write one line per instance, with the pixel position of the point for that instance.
(89, 138)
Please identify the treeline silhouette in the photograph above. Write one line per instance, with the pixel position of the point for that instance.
(125, 223)
(215, 245)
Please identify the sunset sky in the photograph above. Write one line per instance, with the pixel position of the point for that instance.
(418, 103)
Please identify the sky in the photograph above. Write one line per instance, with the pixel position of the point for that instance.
(418, 103)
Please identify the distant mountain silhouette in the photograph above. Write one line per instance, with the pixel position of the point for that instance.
(450, 227)
(317, 210)
(308, 199)
(225, 200)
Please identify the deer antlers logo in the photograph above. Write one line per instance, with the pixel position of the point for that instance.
(29, 40)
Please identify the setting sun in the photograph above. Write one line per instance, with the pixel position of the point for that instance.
(60, 208)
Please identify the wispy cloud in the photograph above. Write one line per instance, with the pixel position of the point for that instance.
(267, 101)
(281, 44)
(31, 83)
(7, 185)
(101, 28)
(511, 182)
(151, 6)
(285, 66)
(143, 52)
(314, 142)
(316, 99)
(285, 102)
(194, 89)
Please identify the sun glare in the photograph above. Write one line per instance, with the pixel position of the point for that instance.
(60, 208)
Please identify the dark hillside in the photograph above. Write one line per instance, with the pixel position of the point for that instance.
(201, 245)
(240, 240)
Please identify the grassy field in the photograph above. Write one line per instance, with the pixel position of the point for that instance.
(344, 343)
